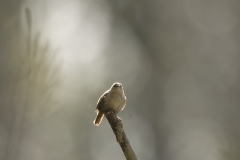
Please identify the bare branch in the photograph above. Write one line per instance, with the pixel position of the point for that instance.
(117, 127)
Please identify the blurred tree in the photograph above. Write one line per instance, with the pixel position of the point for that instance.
(27, 87)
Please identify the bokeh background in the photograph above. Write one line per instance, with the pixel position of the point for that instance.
(178, 61)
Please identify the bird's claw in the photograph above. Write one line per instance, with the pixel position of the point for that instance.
(118, 118)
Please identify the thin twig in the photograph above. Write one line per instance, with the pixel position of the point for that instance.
(121, 137)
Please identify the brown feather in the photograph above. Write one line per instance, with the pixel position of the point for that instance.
(99, 118)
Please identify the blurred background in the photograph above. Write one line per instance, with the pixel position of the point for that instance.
(177, 60)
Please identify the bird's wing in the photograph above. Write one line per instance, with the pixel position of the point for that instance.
(101, 100)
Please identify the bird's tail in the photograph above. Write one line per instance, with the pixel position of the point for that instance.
(98, 119)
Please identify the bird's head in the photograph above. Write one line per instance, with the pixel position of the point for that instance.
(116, 87)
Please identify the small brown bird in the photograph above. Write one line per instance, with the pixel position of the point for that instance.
(113, 99)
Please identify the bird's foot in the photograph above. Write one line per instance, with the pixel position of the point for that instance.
(120, 119)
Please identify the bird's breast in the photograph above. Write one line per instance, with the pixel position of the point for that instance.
(116, 103)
